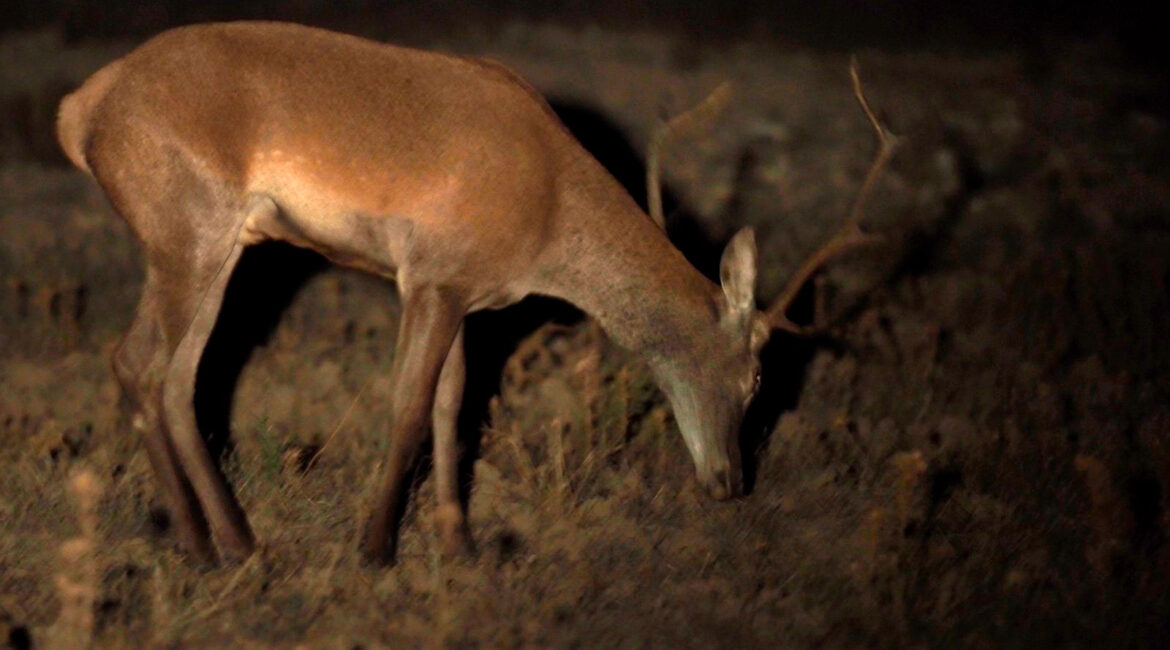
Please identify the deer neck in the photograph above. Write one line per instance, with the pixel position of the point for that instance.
(612, 262)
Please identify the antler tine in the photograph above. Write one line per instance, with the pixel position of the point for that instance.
(689, 120)
(850, 235)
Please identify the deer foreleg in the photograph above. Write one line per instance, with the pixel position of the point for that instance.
(450, 518)
(430, 321)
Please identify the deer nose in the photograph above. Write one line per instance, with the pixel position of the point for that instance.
(724, 484)
(719, 490)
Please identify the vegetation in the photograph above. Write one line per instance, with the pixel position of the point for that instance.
(976, 453)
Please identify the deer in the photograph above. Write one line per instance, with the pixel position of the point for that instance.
(450, 176)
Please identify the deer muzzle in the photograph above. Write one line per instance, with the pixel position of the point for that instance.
(723, 482)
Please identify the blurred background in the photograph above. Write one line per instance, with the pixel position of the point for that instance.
(975, 452)
(850, 24)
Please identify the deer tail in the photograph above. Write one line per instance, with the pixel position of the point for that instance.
(74, 116)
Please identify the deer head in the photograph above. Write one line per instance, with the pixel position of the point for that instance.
(711, 389)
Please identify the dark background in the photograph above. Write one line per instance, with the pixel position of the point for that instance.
(976, 453)
(832, 24)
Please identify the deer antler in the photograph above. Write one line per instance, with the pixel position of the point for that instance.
(850, 235)
(689, 120)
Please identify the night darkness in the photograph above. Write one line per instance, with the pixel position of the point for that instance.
(972, 448)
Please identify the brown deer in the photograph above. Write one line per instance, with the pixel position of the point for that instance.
(449, 175)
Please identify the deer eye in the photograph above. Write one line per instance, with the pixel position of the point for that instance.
(755, 381)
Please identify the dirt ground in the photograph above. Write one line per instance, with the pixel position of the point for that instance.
(975, 454)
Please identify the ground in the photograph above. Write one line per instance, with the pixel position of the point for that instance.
(974, 453)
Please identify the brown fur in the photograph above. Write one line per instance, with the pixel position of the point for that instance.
(449, 175)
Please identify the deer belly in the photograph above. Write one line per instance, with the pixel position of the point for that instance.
(375, 244)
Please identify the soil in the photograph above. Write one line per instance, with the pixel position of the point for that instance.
(974, 453)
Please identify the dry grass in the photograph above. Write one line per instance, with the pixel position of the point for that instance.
(977, 459)
(77, 575)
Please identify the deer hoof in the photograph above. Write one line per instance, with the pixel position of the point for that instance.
(453, 532)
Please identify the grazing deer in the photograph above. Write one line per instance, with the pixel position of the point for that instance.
(451, 176)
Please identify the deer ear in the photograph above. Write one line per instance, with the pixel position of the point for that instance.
(737, 273)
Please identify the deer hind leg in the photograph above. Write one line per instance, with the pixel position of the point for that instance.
(139, 362)
(189, 222)
(189, 315)
(450, 518)
(431, 319)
